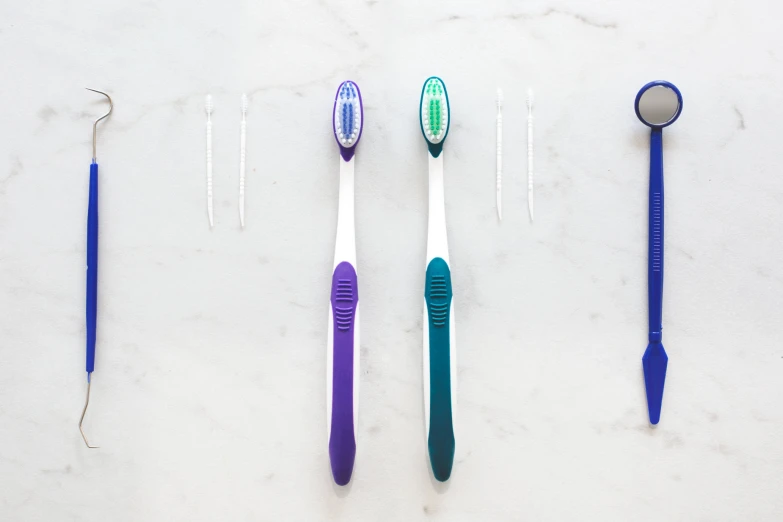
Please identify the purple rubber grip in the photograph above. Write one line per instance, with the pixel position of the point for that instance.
(342, 444)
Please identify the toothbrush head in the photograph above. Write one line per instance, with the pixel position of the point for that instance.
(530, 99)
(434, 114)
(208, 104)
(347, 118)
(244, 103)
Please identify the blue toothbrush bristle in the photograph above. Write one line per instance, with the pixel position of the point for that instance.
(347, 116)
(347, 119)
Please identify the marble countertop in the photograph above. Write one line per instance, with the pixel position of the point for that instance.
(208, 395)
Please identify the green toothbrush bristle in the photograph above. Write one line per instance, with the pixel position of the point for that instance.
(434, 111)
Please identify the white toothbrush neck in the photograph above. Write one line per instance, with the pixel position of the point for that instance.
(530, 173)
(345, 244)
(530, 144)
(242, 154)
(437, 243)
(210, 210)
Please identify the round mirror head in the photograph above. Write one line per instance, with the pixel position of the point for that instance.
(658, 104)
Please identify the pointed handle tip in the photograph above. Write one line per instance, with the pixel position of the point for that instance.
(654, 364)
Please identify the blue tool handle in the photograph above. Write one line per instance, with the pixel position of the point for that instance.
(655, 359)
(92, 267)
(655, 257)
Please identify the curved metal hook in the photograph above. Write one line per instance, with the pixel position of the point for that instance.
(86, 403)
(95, 129)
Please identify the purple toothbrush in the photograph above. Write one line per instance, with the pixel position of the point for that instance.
(342, 356)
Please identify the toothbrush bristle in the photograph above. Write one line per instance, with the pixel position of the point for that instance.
(244, 103)
(348, 114)
(529, 98)
(500, 98)
(208, 104)
(434, 111)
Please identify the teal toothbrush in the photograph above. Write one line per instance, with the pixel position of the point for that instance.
(440, 365)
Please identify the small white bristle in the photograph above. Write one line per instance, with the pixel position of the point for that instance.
(530, 98)
(208, 104)
(500, 97)
(244, 103)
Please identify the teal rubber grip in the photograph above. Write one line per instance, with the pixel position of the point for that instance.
(440, 439)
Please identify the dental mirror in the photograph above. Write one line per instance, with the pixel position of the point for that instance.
(657, 105)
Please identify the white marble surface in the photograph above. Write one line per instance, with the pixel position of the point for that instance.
(209, 387)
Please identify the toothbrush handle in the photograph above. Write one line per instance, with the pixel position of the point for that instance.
(440, 329)
(242, 143)
(344, 308)
(210, 209)
(499, 165)
(655, 254)
(92, 267)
